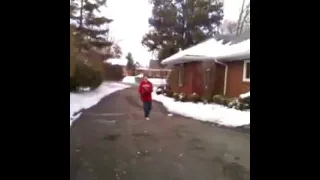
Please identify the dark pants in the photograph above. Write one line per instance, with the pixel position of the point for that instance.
(147, 108)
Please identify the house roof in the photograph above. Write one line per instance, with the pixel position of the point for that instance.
(239, 51)
(220, 47)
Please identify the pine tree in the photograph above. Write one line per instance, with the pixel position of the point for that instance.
(130, 61)
(92, 29)
(179, 24)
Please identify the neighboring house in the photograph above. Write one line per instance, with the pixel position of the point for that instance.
(154, 70)
(220, 65)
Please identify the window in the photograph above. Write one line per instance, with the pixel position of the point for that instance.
(181, 74)
(246, 71)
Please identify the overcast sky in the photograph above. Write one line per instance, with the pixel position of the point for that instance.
(131, 23)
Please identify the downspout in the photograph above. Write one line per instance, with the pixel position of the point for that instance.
(225, 76)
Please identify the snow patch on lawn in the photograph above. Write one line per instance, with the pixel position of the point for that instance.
(157, 81)
(79, 101)
(132, 80)
(129, 80)
(205, 112)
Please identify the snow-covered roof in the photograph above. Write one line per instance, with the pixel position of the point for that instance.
(115, 61)
(197, 50)
(221, 47)
(237, 51)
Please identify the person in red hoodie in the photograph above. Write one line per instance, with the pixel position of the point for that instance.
(145, 90)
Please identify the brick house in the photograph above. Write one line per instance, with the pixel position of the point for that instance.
(223, 69)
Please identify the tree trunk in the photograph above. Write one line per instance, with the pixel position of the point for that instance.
(240, 18)
(81, 24)
(247, 12)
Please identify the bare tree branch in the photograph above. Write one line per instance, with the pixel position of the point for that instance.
(244, 17)
(240, 17)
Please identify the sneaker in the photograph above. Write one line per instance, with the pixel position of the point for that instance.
(147, 119)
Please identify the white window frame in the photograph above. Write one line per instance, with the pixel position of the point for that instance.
(180, 75)
(244, 74)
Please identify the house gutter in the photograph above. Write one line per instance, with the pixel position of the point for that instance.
(225, 76)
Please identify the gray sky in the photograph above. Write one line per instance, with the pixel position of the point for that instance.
(131, 23)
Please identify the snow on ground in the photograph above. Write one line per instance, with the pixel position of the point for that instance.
(205, 112)
(129, 80)
(157, 81)
(245, 95)
(132, 80)
(79, 101)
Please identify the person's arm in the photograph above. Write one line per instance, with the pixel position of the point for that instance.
(140, 89)
(151, 87)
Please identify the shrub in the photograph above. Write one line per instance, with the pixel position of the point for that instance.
(162, 88)
(182, 97)
(169, 93)
(85, 76)
(206, 99)
(246, 106)
(159, 90)
(73, 84)
(218, 99)
(232, 102)
(225, 101)
(240, 106)
(113, 72)
(194, 97)
(245, 100)
(176, 96)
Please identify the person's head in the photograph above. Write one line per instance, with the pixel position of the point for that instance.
(145, 77)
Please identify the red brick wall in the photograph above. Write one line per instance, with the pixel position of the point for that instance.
(193, 80)
(235, 85)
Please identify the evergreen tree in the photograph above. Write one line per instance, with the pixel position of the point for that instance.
(130, 63)
(91, 29)
(179, 24)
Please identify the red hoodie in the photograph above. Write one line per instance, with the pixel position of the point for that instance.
(145, 90)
